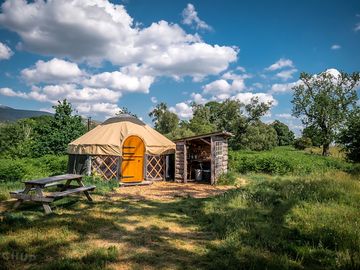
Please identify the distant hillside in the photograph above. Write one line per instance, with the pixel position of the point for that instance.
(10, 114)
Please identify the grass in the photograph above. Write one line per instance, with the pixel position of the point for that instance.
(286, 160)
(275, 221)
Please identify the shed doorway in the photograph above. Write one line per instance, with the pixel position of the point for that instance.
(132, 165)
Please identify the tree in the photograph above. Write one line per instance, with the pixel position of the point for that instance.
(164, 121)
(258, 137)
(314, 133)
(125, 110)
(200, 122)
(256, 109)
(324, 101)
(284, 135)
(64, 127)
(350, 136)
(302, 143)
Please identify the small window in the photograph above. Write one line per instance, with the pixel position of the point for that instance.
(218, 148)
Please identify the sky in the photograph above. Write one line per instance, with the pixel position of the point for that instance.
(105, 55)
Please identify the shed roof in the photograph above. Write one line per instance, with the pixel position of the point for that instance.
(203, 136)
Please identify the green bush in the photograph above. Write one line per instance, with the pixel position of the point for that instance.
(11, 170)
(302, 143)
(228, 178)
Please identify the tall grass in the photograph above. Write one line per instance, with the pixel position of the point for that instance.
(285, 160)
(287, 222)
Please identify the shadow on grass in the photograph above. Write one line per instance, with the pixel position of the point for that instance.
(251, 224)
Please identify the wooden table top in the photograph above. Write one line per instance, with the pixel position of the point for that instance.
(53, 179)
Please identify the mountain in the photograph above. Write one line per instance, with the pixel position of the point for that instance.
(11, 114)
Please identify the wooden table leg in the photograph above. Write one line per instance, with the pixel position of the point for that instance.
(19, 201)
(87, 194)
(46, 205)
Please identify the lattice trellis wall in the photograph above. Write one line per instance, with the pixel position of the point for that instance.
(105, 166)
(155, 167)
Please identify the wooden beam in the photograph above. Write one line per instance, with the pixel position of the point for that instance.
(185, 163)
(205, 141)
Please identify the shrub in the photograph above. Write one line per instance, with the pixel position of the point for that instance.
(228, 178)
(302, 143)
(11, 170)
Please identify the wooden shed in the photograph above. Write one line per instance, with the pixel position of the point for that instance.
(202, 158)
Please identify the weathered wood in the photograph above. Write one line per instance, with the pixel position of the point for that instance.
(33, 188)
(53, 179)
(31, 197)
(46, 205)
(212, 166)
(185, 163)
(70, 191)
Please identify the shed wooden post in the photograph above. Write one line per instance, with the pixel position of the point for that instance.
(88, 165)
(212, 179)
(185, 163)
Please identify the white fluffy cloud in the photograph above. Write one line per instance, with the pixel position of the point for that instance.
(335, 47)
(229, 84)
(283, 87)
(183, 110)
(120, 81)
(285, 116)
(190, 17)
(286, 74)
(281, 63)
(53, 71)
(97, 30)
(5, 51)
(246, 97)
(11, 93)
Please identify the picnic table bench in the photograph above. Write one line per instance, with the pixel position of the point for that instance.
(39, 185)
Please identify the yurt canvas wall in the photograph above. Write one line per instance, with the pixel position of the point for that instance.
(122, 148)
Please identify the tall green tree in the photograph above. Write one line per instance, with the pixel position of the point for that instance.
(64, 127)
(350, 136)
(164, 121)
(284, 135)
(314, 133)
(201, 123)
(324, 101)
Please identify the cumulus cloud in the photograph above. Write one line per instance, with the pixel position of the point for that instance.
(190, 17)
(183, 110)
(281, 63)
(246, 97)
(198, 98)
(53, 71)
(335, 47)
(278, 88)
(5, 51)
(96, 31)
(11, 93)
(285, 116)
(229, 84)
(118, 80)
(286, 74)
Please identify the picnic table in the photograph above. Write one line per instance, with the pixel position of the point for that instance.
(34, 190)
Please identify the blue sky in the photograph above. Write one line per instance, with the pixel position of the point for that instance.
(105, 55)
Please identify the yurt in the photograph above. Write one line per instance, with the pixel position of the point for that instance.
(122, 148)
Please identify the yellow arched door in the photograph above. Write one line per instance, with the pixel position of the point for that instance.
(132, 166)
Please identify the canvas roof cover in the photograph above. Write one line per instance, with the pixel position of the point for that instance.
(107, 138)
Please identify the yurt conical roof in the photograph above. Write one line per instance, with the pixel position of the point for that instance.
(107, 138)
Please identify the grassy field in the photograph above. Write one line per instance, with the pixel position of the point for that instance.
(284, 220)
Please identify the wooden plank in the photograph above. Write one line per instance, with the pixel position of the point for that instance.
(28, 197)
(212, 166)
(70, 191)
(53, 179)
(185, 163)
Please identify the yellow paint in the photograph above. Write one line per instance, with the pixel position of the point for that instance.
(132, 166)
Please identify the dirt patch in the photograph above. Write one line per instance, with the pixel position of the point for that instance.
(169, 191)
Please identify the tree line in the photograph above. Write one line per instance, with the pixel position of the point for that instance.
(327, 105)
(242, 120)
